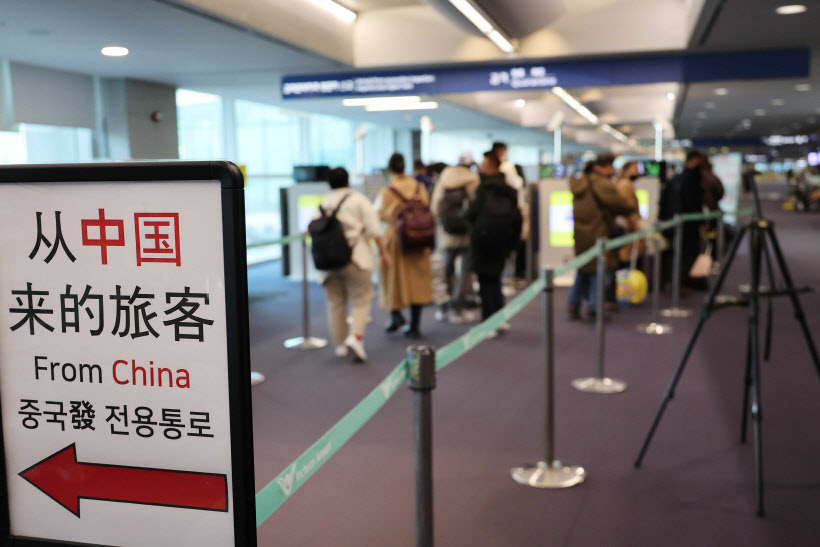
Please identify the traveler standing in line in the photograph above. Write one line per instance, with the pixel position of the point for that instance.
(496, 228)
(712, 186)
(509, 171)
(713, 192)
(454, 190)
(633, 222)
(421, 173)
(408, 279)
(353, 282)
(595, 204)
(684, 194)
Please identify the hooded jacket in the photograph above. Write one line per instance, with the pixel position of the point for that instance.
(453, 177)
(595, 204)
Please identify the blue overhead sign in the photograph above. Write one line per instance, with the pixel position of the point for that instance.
(793, 63)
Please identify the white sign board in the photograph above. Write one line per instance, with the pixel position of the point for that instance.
(114, 372)
(303, 201)
(728, 168)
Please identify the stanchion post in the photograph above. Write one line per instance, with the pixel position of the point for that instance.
(600, 383)
(720, 242)
(306, 341)
(549, 473)
(654, 327)
(422, 383)
(677, 259)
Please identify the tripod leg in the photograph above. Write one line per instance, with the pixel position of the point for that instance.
(707, 310)
(755, 236)
(798, 309)
(769, 313)
(747, 384)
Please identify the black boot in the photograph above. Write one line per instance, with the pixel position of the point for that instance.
(412, 330)
(396, 321)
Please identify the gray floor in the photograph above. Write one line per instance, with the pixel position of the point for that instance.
(696, 484)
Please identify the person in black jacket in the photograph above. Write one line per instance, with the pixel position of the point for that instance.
(496, 229)
(684, 194)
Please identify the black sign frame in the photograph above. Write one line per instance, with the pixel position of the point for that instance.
(236, 307)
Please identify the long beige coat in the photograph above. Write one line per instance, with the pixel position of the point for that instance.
(409, 279)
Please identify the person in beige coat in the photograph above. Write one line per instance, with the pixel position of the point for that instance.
(457, 181)
(408, 279)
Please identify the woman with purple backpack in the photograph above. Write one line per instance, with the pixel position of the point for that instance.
(408, 279)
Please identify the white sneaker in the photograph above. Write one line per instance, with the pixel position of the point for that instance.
(356, 347)
(492, 335)
(341, 351)
(441, 316)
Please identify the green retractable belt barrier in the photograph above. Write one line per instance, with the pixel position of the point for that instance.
(281, 488)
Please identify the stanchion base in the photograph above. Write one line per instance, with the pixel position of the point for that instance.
(257, 378)
(725, 299)
(654, 328)
(306, 343)
(676, 312)
(746, 288)
(599, 385)
(544, 475)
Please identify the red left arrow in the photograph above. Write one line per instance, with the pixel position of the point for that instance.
(65, 480)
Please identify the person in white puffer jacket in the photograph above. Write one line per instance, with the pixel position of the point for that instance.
(453, 191)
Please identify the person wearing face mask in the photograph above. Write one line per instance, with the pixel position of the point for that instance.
(511, 176)
(595, 204)
(625, 224)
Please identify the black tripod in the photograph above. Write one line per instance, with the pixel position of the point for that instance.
(761, 235)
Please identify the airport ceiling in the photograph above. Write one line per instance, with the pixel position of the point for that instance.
(243, 48)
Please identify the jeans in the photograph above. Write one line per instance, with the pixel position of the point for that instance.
(585, 286)
(458, 286)
(492, 299)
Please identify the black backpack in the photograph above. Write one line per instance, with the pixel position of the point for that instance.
(451, 208)
(497, 227)
(330, 248)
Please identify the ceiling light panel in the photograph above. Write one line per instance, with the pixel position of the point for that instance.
(367, 101)
(336, 9)
(114, 51)
(482, 22)
(791, 9)
(428, 105)
(575, 105)
(468, 11)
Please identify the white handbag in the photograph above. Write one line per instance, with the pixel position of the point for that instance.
(702, 268)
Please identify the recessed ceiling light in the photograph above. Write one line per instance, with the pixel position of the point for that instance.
(520, 103)
(710, 104)
(670, 96)
(702, 115)
(802, 87)
(721, 91)
(746, 124)
(791, 9)
(760, 111)
(778, 102)
(114, 51)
